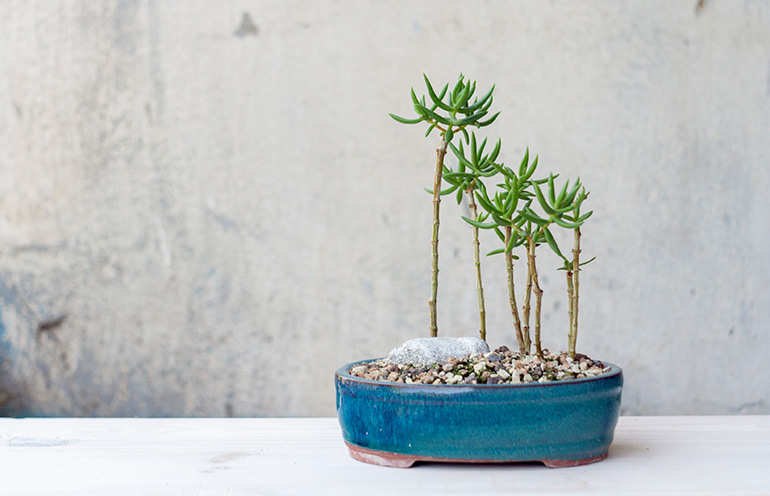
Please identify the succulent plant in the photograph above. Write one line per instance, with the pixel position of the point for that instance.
(522, 211)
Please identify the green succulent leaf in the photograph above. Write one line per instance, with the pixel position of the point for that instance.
(479, 103)
(488, 121)
(552, 243)
(474, 150)
(471, 118)
(570, 197)
(480, 152)
(485, 203)
(403, 120)
(496, 252)
(478, 224)
(551, 192)
(460, 175)
(472, 90)
(499, 220)
(422, 109)
(458, 87)
(511, 201)
(541, 200)
(560, 197)
(443, 192)
(512, 241)
(531, 216)
(500, 169)
(531, 170)
(567, 225)
(495, 151)
(433, 96)
(443, 92)
(524, 163)
(586, 262)
(460, 154)
(583, 217)
(462, 97)
(563, 210)
(414, 98)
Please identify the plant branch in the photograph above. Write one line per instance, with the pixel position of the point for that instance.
(538, 294)
(527, 309)
(571, 303)
(440, 154)
(511, 292)
(477, 262)
(575, 293)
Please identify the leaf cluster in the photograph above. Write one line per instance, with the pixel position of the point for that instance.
(529, 207)
(470, 169)
(451, 111)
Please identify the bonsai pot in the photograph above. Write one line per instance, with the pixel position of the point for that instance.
(559, 423)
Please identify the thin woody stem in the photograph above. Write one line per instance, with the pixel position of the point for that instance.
(511, 292)
(527, 308)
(538, 294)
(575, 294)
(571, 302)
(440, 154)
(477, 262)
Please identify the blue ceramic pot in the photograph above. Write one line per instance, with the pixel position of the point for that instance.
(561, 423)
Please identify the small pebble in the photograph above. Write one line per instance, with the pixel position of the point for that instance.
(479, 368)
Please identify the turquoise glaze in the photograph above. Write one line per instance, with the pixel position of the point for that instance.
(561, 423)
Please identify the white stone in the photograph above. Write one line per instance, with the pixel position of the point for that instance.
(427, 351)
(479, 368)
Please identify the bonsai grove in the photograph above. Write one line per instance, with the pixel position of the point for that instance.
(522, 210)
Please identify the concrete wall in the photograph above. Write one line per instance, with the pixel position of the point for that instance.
(205, 209)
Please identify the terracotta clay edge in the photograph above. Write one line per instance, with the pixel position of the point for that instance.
(387, 459)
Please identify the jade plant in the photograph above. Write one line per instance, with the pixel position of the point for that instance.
(523, 211)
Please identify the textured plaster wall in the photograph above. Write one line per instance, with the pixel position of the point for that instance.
(205, 210)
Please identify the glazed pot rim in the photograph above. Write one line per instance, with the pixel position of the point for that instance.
(342, 373)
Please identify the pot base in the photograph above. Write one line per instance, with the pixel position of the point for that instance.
(386, 459)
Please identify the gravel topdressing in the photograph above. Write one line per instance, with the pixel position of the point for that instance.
(501, 366)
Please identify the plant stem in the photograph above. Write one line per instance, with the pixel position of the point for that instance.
(512, 293)
(527, 308)
(440, 153)
(477, 261)
(538, 294)
(575, 293)
(571, 302)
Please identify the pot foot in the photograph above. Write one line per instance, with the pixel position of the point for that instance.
(573, 463)
(381, 458)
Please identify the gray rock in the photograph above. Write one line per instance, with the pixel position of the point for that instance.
(427, 351)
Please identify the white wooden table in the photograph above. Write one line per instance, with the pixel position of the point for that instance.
(650, 455)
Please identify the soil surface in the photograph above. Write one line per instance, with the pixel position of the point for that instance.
(501, 366)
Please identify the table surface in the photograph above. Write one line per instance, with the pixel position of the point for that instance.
(650, 455)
